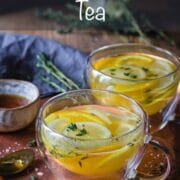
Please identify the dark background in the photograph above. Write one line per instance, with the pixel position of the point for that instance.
(165, 14)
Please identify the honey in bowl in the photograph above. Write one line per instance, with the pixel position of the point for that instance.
(12, 101)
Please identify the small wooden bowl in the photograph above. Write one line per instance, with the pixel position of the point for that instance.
(13, 119)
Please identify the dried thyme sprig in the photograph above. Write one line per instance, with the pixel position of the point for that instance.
(45, 63)
(53, 84)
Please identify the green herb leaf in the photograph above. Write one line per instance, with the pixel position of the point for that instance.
(47, 64)
(126, 74)
(112, 69)
(130, 144)
(82, 132)
(134, 76)
(32, 143)
(72, 127)
(80, 163)
(32, 177)
(145, 69)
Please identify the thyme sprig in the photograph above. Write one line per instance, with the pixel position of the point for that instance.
(46, 63)
(52, 84)
(73, 127)
(32, 143)
(33, 177)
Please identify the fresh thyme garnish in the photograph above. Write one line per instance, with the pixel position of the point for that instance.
(46, 63)
(127, 68)
(32, 177)
(147, 90)
(72, 127)
(32, 143)
(130, 144)
(138, 121)
(79, 132)
(85, 157)
(126, 74)
(82, 132)
(149, 99)
(112, 69)
(133, 76)
(145, 69)
(56, 153)
(80, 163)
(148, 72)
(113, 74)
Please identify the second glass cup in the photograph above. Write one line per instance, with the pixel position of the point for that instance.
(146, 73)
(81, 135)
(86, 135)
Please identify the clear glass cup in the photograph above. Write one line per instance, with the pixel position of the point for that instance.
(111, 157)
(157, 95)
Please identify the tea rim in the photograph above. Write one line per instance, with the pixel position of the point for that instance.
(60, 135)
(135, 45)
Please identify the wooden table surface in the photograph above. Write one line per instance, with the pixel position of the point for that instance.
(85, 40)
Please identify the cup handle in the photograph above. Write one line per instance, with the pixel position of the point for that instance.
(169, 112)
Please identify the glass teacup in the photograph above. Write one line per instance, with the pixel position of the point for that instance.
(148, 74)
(86, 135)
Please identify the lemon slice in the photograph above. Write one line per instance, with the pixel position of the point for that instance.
(135, 59)
(78, 115)
(101, 114)
(159, 102)
(113, 156)
(163, 65)
(105, 63)
(85, 133)
(115, 161)
(126, 72)
(88, 130)
(124, 128)
(57, 124)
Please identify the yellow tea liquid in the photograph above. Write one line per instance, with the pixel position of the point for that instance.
(94, 140)
(137, 75)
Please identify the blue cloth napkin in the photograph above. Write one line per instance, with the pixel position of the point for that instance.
(18, 59)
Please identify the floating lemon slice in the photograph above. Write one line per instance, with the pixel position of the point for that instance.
(127, 59)
(126, 72)
(163, 64)
(105, 63)
(118, 158)
(158, 103)
(135, 59)
(72, 116)
(124, 128)
(101, 114)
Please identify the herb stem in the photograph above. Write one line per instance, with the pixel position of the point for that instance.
(131, 19)
(45, 63)
(52, 84)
